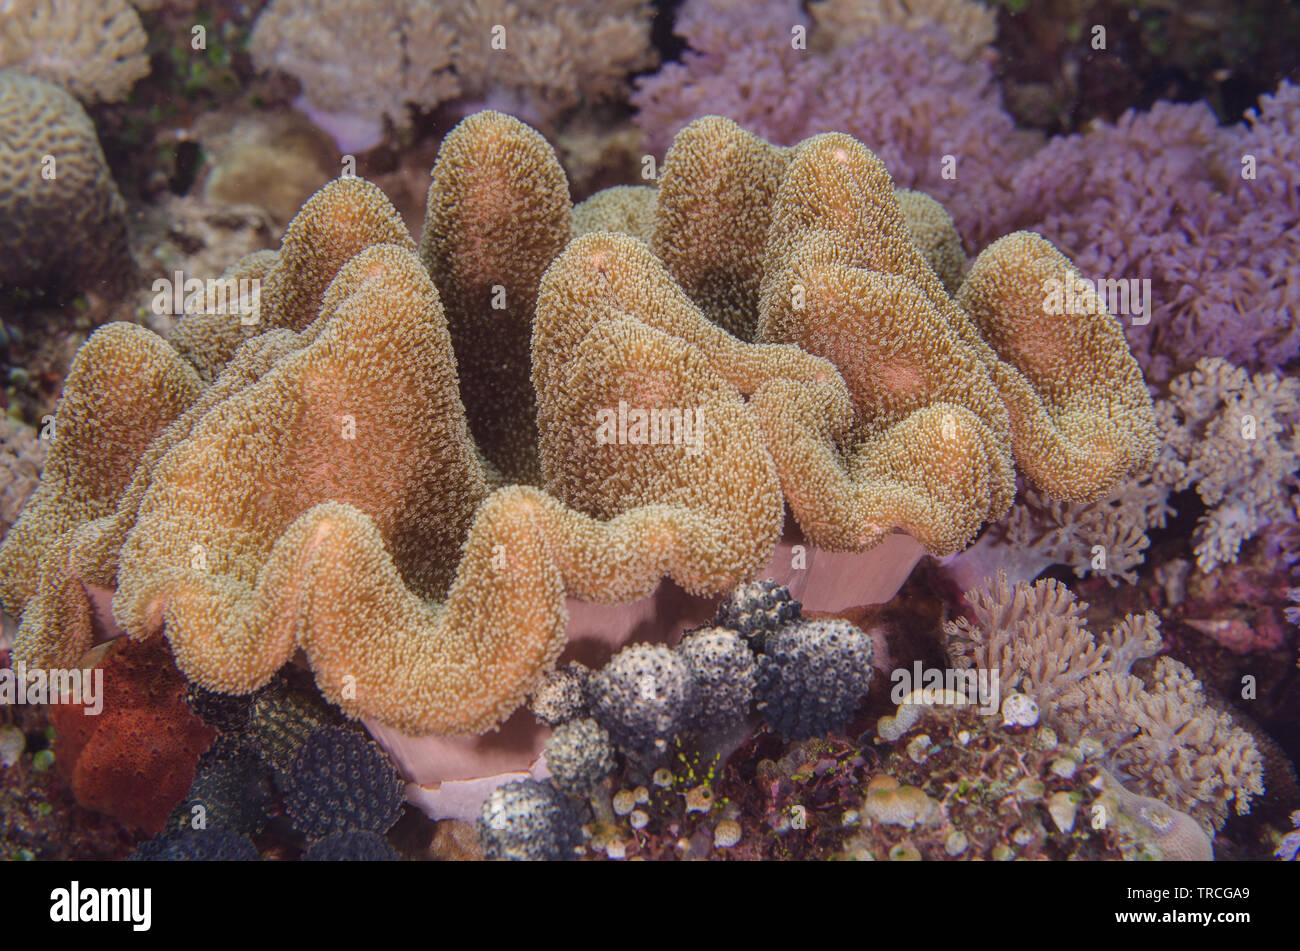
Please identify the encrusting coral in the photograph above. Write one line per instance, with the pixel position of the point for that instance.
(93, 48)
(311, 480)
(528, 820)
(1159, 734)
(65, 223)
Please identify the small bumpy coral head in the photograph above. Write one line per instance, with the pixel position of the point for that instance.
(579, 755)
(756, 609)
(341, 781)
(644, 697)
(561, 695)
(812, 677)
(724, 670)
(529, 821)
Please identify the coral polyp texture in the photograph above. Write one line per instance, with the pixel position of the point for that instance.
(498, 214)
(93, 48)
(65, 223)
(349, 468)
(361, 65)
(1236, 438)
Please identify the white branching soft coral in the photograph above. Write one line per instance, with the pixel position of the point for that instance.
(95, 49)
(540, 57)
(1160, 736)
(359, 62)
(1236, 438)
(1037, 637)
(1106, 538)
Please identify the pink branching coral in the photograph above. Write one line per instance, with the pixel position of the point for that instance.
(1210, 215)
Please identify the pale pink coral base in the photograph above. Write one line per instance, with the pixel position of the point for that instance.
(450, 777)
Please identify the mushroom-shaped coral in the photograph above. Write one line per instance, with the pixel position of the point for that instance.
(527, 820)
(643, 697)
(812, 676)
(324, 492)
(65, 223)
(337, 223)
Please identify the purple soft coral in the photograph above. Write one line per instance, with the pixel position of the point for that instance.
(1165, 195)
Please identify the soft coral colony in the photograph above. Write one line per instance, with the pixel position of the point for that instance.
(371, 475)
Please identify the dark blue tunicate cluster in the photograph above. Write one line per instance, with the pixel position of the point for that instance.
(339, 781)
(232, 789)
(357, 845)
(530, 821)
(193, 845)
(723, 669)
(757, 609)
(812, 677)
